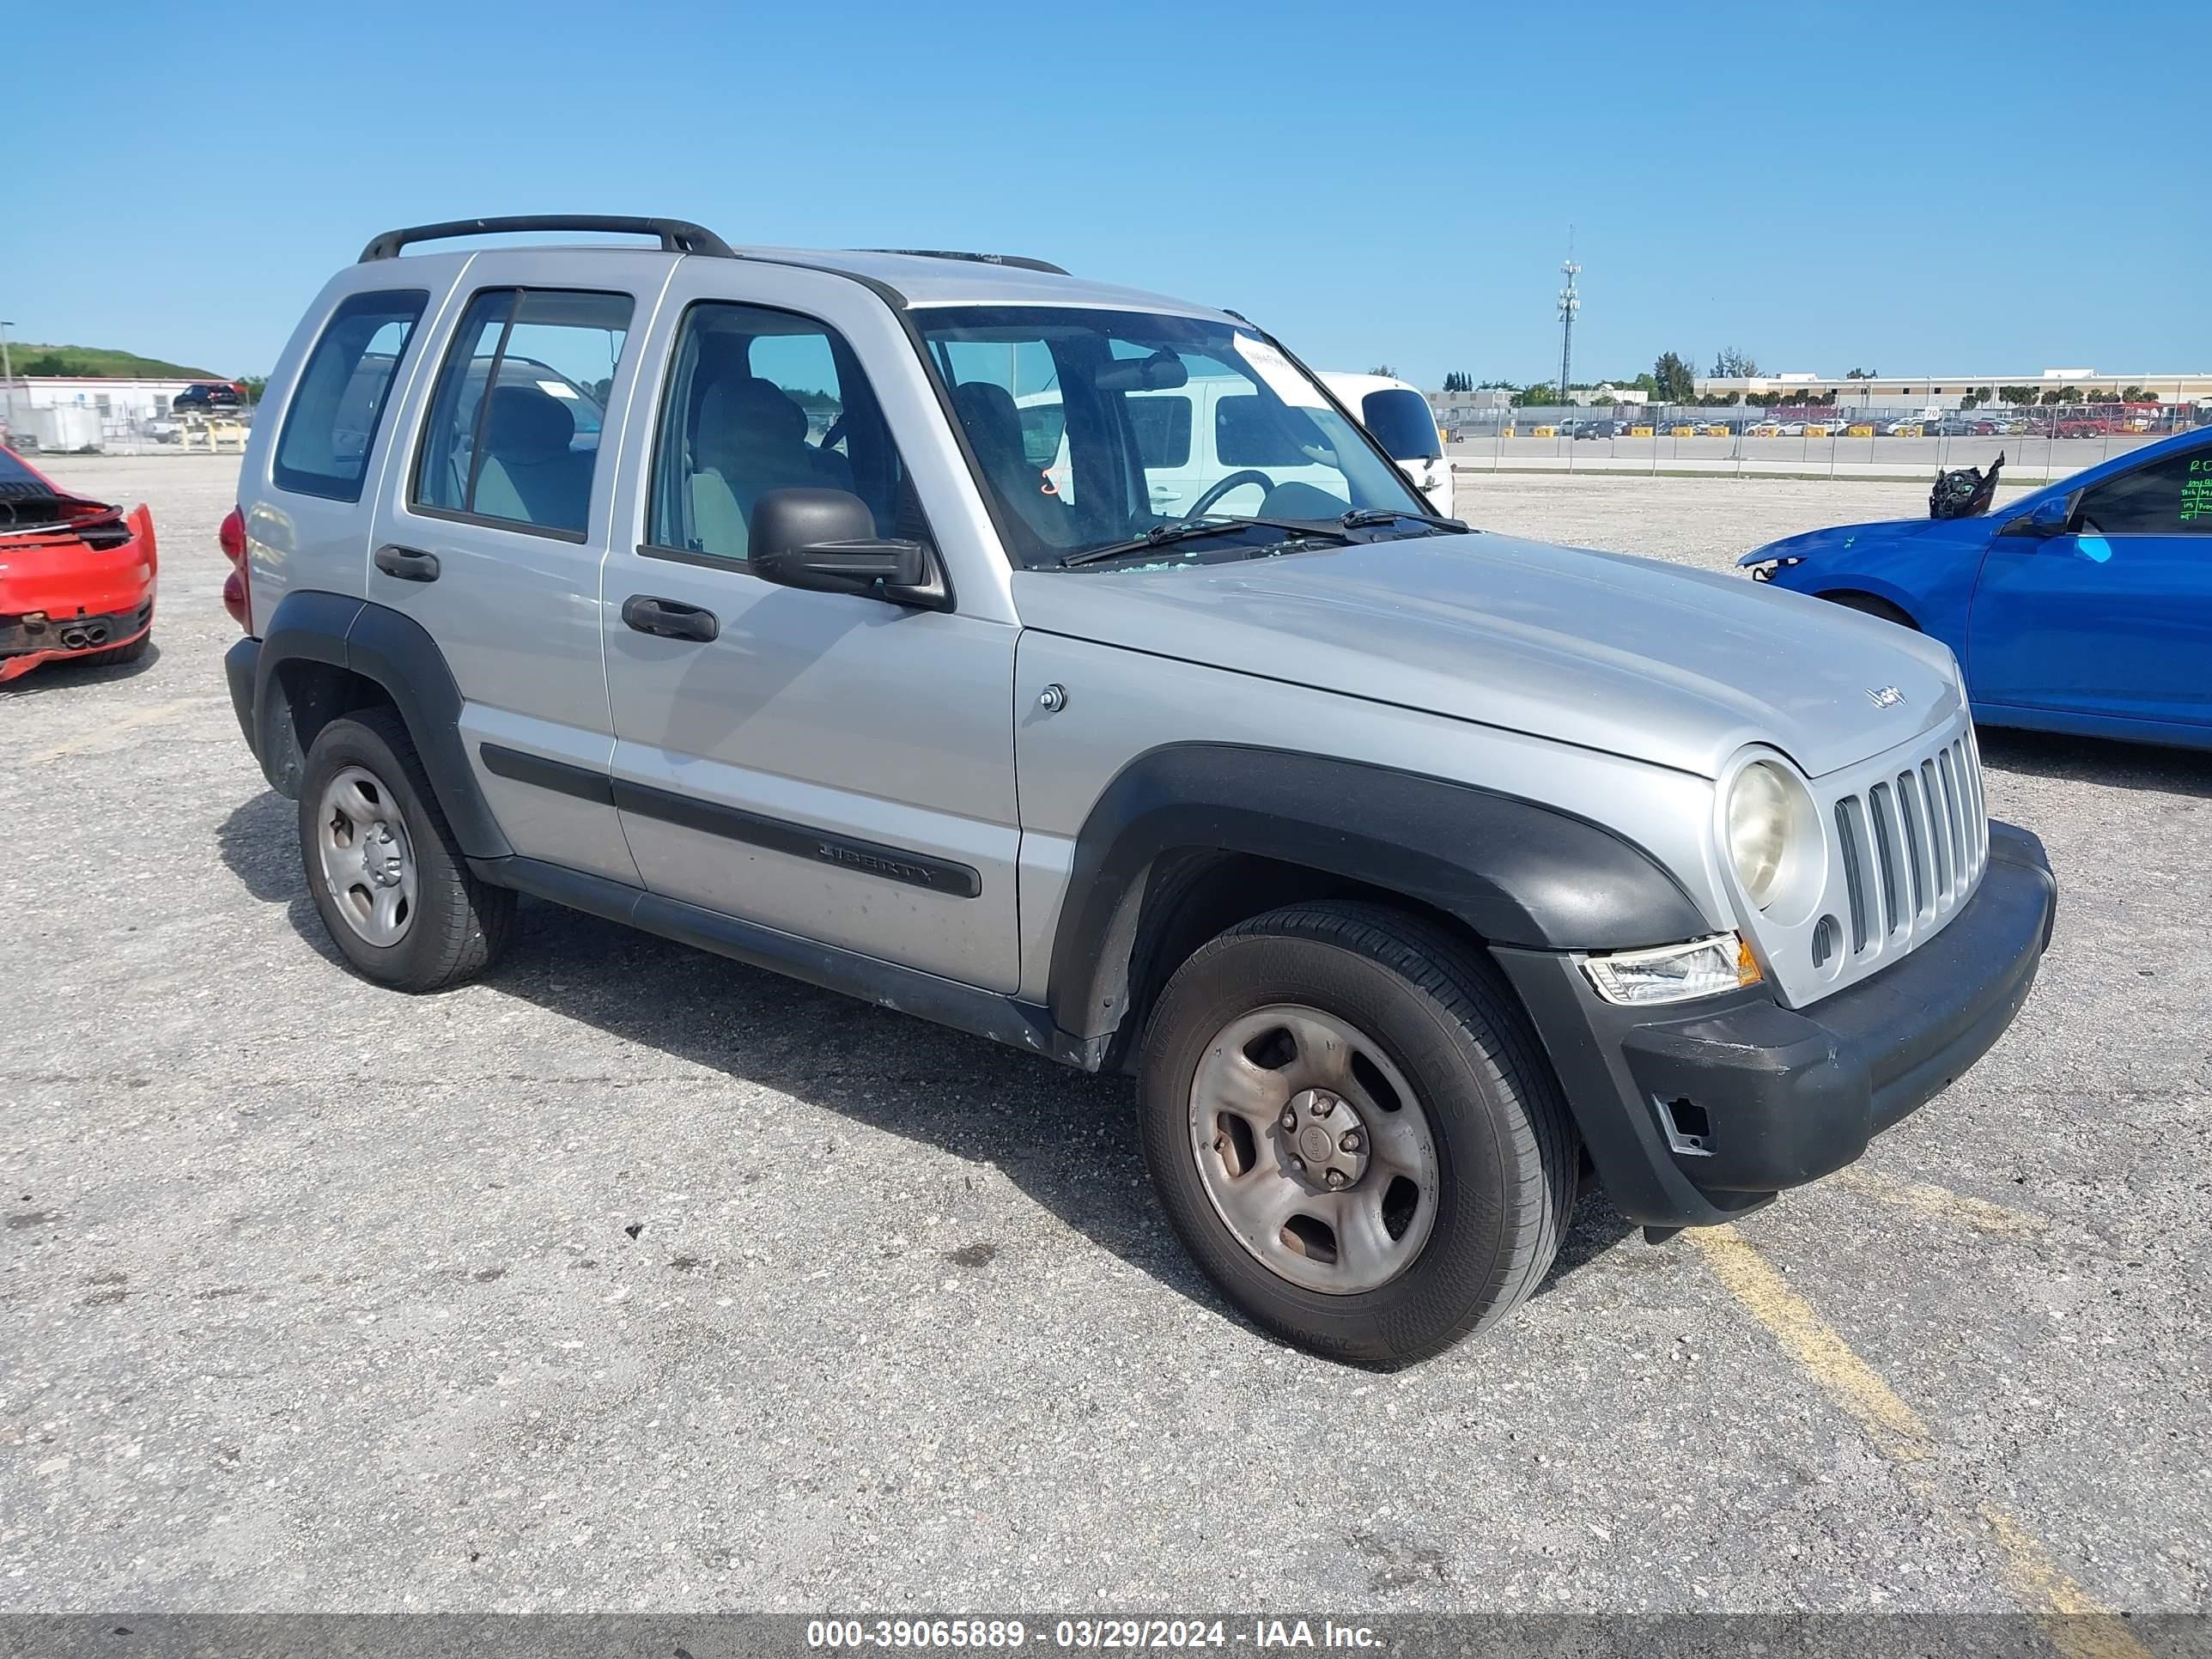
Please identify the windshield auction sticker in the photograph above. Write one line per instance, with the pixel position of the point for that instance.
(1280, 378)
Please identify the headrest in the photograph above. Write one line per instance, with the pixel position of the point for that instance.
(527, 427)
(750, 412)
(988, 413)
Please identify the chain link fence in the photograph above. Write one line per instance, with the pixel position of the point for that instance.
(2039, 442)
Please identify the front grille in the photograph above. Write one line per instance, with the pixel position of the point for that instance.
(1912, 846)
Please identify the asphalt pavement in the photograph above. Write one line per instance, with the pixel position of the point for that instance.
(631, 1277)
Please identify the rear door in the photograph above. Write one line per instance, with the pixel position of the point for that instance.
(329, 429)
(491, 535)
(2114, 618)
(835, 766)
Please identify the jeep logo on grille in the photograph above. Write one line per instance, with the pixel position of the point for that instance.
(1884, 696)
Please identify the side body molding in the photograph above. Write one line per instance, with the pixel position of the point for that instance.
(399, 654)
(1518, 873)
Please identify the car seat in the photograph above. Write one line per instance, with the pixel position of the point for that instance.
(529, 472)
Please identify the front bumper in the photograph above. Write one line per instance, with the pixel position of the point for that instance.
(1693, 1116)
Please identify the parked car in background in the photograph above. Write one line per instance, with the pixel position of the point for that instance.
(76, 575)
(208, 394)
(2085, 606)
(1399, 418)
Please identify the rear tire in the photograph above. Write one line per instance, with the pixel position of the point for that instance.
(392, 887)
(1481, 1162)
(1867, 606)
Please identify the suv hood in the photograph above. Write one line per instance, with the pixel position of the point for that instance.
(1665, 664)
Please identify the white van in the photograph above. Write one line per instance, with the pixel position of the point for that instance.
(1192, 434)
(1400, 420)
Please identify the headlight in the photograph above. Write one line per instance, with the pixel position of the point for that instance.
(1770, 820)
(1674, 973)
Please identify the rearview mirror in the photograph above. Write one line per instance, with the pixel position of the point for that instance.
(1161, 371)
(825, 540)
(2048, 517)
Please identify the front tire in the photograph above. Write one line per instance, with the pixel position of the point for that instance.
(389, 880)
(1354, 1132)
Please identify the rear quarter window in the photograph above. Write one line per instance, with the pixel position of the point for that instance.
(338, 405)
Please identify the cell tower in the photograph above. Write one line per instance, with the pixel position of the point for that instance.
(1570, 302)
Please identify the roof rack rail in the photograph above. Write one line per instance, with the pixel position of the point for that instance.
(972, 259)
(676, 236)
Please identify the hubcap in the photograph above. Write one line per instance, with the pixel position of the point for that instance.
(1314, 1149)
(368, 862)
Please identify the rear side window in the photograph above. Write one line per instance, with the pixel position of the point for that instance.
(1249, 432)
(1401, 423)
(513, 433)
(338, 402)
(1163, 426)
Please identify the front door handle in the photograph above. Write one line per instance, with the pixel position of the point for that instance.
(669, 619)
(408, 564)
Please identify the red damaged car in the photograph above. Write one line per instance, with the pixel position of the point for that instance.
(76, 576)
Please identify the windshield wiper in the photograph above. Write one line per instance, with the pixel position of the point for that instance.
(1175, 529)
(1362, 518)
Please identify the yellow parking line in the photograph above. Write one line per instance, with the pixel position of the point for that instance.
(161, 713)
(1940, 1202)
(2073, 1622)
(1813, 1343)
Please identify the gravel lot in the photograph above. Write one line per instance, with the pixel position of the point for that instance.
(633, 1277)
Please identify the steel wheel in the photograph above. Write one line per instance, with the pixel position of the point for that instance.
(368, 862)
(1314, 1149)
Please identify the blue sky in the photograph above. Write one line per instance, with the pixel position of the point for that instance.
(1945, 187)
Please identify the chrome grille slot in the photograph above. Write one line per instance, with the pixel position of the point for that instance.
(1931, 796)
(1969, 763)
(1961, 855)
(1878, 810)
(1911, 808)
(1852, 842)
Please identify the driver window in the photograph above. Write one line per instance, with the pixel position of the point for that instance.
(2172, 496)
(760, 400)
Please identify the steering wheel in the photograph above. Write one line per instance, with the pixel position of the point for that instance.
(1220, 487)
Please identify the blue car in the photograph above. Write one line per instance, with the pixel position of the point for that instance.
(2084, 607)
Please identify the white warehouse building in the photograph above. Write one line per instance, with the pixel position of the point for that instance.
(115, 399)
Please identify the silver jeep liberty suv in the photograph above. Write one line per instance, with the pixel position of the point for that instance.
(859, 615)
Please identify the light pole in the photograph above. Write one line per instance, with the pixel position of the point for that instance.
(1569, 303)
(8, 377)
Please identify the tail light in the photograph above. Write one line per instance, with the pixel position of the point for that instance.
(237, 597)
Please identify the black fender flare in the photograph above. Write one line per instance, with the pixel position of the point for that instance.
(1516, 870)
(398, 654)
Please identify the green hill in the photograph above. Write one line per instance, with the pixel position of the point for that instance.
(30, 359)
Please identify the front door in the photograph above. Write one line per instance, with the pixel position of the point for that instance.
(2114, 618)
(835, 766)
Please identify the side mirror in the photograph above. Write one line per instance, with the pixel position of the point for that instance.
(825, 540)
(2048, 517)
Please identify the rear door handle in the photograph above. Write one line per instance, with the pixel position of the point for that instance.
(669, 619)
(408, 564)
